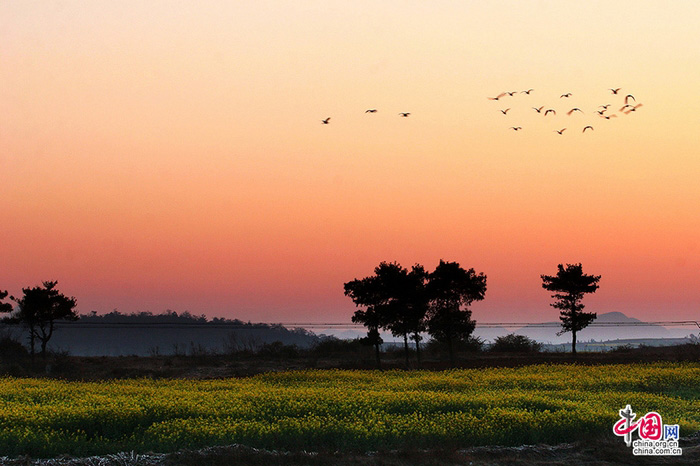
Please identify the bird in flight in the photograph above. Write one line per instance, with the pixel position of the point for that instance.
(511, 93)
(615, 91)
(634, 109)
(515, 128)
(600, 112)
(550, 110)
(325, 122)
(505, 111)
(405, 114)
(629, 96)
(567, 95)
(604, 106)
(538, 110)
(575, 109)
(622, 109)
(560, 131)
(607, 117)
(584, 129)
(527, 92)
(371, 110)
(498, 96)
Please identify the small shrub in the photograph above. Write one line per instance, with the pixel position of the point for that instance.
(687, 352)
(626, 348)
(11, 349)
(515, 344)
(333, 345)
(198, 350)
(278, 349)
(59, 364)
(470, 344)
(15, 370)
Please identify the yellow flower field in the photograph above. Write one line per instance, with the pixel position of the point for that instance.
(337, 409)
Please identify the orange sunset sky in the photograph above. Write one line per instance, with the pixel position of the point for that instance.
(170, 155)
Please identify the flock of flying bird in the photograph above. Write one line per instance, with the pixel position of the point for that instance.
(601, 111)
(371, 110)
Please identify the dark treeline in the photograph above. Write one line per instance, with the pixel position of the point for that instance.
(45, 318)
(152, 337)
(166, 317)
(171, 333)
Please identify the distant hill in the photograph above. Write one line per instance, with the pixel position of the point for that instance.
(145, 334)
(549, 334)
(490, 333)
(343, 334)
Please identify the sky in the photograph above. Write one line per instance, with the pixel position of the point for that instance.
(170, 155)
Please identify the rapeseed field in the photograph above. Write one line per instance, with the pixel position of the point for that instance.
(343, 410)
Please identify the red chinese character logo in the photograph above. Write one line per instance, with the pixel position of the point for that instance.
(650, 426)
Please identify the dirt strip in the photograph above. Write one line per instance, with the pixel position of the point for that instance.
(608, 451)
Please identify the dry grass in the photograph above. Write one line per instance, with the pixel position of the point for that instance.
(244, 365)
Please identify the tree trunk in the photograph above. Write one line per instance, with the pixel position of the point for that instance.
(573, 342)
(44, 339)
(417, 347)
(43, 347)
(376, 352)
(450, 349)
(405, 347)
(31, 342)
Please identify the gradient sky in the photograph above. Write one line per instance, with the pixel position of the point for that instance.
(170, 155)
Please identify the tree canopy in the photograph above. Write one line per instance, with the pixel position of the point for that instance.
(4, 307)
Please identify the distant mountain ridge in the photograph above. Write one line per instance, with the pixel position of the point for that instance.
(548, 334)
(144, 334)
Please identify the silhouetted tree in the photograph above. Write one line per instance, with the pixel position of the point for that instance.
(451, 289)
(39, 309)
(395, 299)
(407, 302)
(373, 338)
(417, 305)
(4, 307)
(570, 284)
(366, 292)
